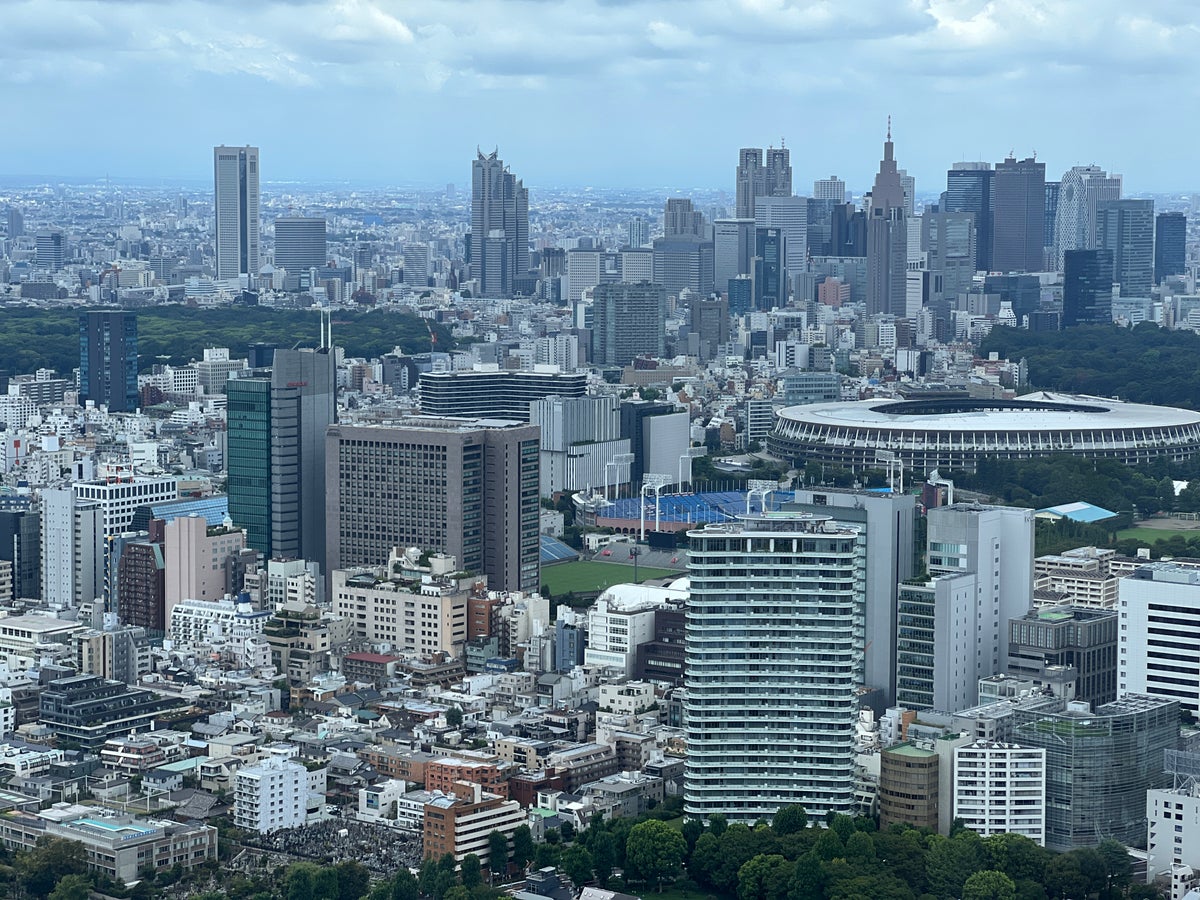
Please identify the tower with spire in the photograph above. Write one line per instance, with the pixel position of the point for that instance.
(887, 238)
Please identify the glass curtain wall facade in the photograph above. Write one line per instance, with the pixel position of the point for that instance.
(775, 655)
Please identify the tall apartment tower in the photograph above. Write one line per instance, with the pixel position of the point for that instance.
(1126, 229)
(275, 452)
(108, 360)
(636, 232)
(1080, 192)
(831, 188)
(887, 239)
(72, 549)
(465, 487)
(299, 243)
(1019, 209)
(969, 187)
(774, 659)
(1170, 245)
(629, 320)
(235, 187)
(499, 226)
(754, 179)
(1087, 287)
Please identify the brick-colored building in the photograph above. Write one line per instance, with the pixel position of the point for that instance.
(441, 775)
(459, 823)
(403, 765)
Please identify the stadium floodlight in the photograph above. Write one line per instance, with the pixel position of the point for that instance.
(652, 481)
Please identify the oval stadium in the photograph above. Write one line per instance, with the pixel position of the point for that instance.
(955, 433)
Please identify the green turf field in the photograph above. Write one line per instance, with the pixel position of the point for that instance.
(1150, 535)
(586, 575)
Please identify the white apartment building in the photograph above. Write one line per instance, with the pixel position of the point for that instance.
(72, 550)
(413, 617)
(626, 699)
(621, 620)
(270, 796)
(1001, 789)
(197, 621)
(1158, 644)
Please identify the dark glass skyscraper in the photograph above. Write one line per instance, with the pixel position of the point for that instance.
(1019, 206)
(770, 290)
(969, 188)
(1087, 287)
(499, 226)
(1170, 245)
(276, 452)
(108, 360)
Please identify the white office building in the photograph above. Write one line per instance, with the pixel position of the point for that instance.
(72, 550)
(775, 640)
(621, 620)
(1158, 644)
(1173, 825)
(120, 497)
(1001, 789)
(235, 189)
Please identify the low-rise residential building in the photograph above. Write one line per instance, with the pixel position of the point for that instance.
(442, 774)
(88, 710)
(626, 699)
(118, 846)
(459, 823)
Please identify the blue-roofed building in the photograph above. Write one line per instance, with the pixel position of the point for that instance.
(212, 509)
(1076, 512)
(555, 551)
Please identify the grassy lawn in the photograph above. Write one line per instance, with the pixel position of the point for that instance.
(586, 575)
(1150, 535)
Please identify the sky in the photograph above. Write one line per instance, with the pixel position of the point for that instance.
(606, 93)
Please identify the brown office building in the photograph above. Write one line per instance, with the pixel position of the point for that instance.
(465, 487)
(908, 786)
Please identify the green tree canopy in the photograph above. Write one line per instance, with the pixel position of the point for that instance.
(988, 884)
(655, 851)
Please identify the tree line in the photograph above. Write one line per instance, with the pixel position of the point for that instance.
(32, 339)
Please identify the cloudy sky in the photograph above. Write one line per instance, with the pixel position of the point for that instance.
(640, 93)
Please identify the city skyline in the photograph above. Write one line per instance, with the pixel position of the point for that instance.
(962, 81)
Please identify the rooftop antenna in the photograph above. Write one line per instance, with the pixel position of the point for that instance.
(889, 137)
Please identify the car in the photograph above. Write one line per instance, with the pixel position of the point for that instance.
(606, 553)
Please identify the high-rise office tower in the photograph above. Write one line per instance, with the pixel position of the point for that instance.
(629, 320)
(887, 239)
(953, 628)
(417, 264)
(789, 215)
(831, 188)
(754, 179)
(908, 184)
(235, 184)
(949, 242)
(969, 188)
(820, 227)
(888, 523)
(21, 545)
(1126, 229)
(499, 226)
(16, 222)
(1170, 245)
(108, 360)
(1019, 209)
(1050, 224)
(299, 244)
(275, 452)
(770, 279)
(709, 321)
(733, 250)
(636, 232)
(683, 256)
(1087, 287)
(774, 660)
(50, 250)
(848, 231)
(682, 219)
(465, 487)
(1081, 190)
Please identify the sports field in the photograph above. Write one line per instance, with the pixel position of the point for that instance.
(586, 575)
(1149, 535)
